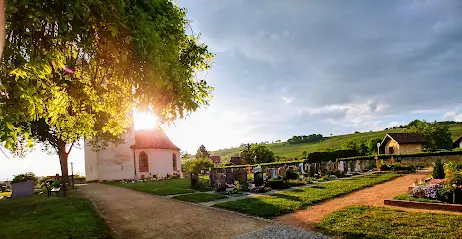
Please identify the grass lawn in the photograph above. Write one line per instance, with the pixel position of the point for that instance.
(286, 202)
(411, 198)
(379, 222)
(54, 217)
(5, 194)
(163, 187)
(199, 197)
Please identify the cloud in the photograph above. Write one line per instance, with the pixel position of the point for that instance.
(287, 100)
(449, 115)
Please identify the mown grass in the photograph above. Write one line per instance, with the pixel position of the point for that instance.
(332, 142)
(379, 222)
(199, 197)
(407, 197)
(50, 217)
(286, 202)
(163, 187)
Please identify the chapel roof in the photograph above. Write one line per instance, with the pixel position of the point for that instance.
(152, 139)
(457, 142)
(405, 138)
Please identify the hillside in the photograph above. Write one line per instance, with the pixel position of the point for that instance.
(295, 150)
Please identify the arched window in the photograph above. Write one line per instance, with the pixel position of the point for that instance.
(174, 162)
(144, 166)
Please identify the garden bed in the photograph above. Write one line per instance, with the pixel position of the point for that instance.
(286, 202)
(199, 197)
(424, 205)
(379, 222)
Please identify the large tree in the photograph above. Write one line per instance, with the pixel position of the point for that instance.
(75, 70)
(438, 135)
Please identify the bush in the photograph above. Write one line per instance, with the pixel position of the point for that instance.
(201, 185)
(196, 164)
(277, 184)
(315, 157)
(290, 174)
(438, 170)
(296, 183)
(243, 186)
(24, 177)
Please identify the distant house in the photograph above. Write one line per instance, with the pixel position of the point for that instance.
(457, 143)
(216, 160)
(402, 143)
(236, 160)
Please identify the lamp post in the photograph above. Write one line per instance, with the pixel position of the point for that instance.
(72, 174)
(378, 148)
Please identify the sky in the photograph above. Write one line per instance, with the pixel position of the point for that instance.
(285, 68)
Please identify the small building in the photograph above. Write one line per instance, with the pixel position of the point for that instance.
(236, 160)
(457, 143)
(402, 143)
(144, 154)
(216, 160)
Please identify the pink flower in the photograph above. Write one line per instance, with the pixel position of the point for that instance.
(454, 185)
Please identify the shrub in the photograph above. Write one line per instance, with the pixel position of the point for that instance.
(438, 170)
(243, 186)
(201, 185)
(24, 177)
(295, 183)
(277, 184)
(290, 174)
(315, 157)
(195, 165)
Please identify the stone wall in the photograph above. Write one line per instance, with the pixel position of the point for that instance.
(409, 148)
(429, 160)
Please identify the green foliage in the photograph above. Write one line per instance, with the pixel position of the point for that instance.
(273, 164)
(438, 170)
(256, 154)
(246, 155)
(349, 145)
(24, 177)
(196, 164)
(277, 184)
(363, 149)
(286, 202)
(199, 197)
(291, 174)
(202, 152)
(398, 167)
(372, 144)
(408, 197)
(39, 217)
(243, 186)
(312, 138)
(326, 156)
(296, 183)
(437, 134)
(380, 222)
(76, 69)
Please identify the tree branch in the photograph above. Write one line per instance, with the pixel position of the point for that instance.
(70, 148)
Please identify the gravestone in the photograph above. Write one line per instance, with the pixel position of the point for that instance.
(240, 175)
(274, 173)
(194, 179)
(357, 165)
(212, 176)
(281, 172)
(220, 182)
(341, 166)
(301, 169)
(258, 179)
(229, 176)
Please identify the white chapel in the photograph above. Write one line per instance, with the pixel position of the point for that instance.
(145, 153)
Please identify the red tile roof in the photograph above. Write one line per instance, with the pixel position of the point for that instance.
(215, 159)
(152, 138)
(406, 138)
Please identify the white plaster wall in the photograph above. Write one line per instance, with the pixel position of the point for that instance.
(113, 163)
(460, 144)
(160, 162)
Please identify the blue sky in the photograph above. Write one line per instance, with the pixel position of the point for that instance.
(286, 68)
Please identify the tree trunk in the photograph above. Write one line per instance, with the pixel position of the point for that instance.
(63, 156)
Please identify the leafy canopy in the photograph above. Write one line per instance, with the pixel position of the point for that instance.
(76, 69)
(438, 135)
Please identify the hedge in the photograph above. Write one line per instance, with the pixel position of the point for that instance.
(385, 156)
(326, 156)
(274, 164)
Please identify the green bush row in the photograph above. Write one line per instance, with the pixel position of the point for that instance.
(274, 164)
(326, 156)
(385, 156)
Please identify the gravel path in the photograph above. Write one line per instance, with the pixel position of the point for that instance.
(282, 232)
(132, 214)
(373, 196)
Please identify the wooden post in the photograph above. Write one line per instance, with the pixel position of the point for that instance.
(376, 157)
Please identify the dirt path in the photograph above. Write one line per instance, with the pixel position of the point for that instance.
(132, 214)
(373, 196)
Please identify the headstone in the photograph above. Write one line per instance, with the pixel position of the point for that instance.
(22, 189)
(220, 182)
(257, 169)
(341, 166)
(194, 179)
(240, 175)
(300, 168)
(274, 173)
(258, 179)
(281, 172)
(229, 176)
(212, 176)
(357, 165)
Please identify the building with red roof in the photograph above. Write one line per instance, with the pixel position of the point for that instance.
(145, 153)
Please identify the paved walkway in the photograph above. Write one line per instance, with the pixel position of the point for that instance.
(132, 214)
(373, 196)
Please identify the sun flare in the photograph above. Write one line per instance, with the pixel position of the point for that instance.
(145, 120)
